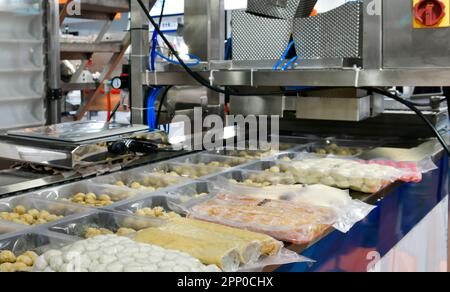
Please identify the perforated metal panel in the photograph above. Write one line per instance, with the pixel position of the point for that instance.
(259, 38)
(333, 34)
(284, 9)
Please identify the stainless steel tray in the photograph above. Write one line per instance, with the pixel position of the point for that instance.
(76, 132)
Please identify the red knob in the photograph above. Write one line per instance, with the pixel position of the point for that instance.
(429, 12)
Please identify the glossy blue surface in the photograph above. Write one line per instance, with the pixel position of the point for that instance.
(397, 214)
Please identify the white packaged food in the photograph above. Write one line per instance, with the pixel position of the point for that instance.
(106, 256)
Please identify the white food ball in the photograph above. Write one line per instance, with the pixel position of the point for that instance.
(149, 268)
(115, 268)
(92, 247)
(166, 270)
(68, 268)
(40, 264)
(171, 256)
(181, 269)
(107, 259)
(93, 255)
(71, 255)
(100, 268)
(56, 262)
(52, 254)
(133, 269)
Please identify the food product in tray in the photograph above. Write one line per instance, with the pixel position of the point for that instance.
(88, 194)
(9, 262)
(335, 149)
(158, 212)
(24, 216)
(188, 170)
(93, 232)
(211, 243)
(262, 179)
(212, 160)
(91, 199)
(286, 221)
(251, 154)
(188, 198)
(367, 177)
(150, 182)
(117, 254)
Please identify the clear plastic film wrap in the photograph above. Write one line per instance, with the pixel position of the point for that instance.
(19, 251)
(348, 211)
(253, 178)
(140, 180)
(211, 160)
(104, 223)
(89, 194)
(34, 211)
(368, 176)
(8, 227)
(181, 170)
(229, 248)
(286, 221)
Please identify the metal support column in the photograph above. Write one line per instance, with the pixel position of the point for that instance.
(140, 42)
(204, 33)
(54, 95)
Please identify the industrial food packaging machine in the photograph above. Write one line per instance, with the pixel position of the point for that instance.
(328, 97)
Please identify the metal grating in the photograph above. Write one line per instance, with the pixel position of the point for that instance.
(259, 38)
(274, 8)
(333, 34)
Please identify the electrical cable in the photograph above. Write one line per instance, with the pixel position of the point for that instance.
(416, 110)
(197, 77)
(161, 103)
(113, 113)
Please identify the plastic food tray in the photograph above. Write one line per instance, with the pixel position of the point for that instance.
(38, 241)
(168, 203)
(102, 219)
(182, 170)
(147, 179)
(40, 204)
(241, 176)
(210, 160)
(66, 192)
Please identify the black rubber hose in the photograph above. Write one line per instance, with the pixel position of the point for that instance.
(417, 111)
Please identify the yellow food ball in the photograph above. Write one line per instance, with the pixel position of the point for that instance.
(20, 210)
(20, 267)
(25, 259)
(7, 256)
(35, 213)
(120, 184)
(32, 255)
(104, 198)
(91, 196)
(6, 268)
(28, 218)
(125, 231)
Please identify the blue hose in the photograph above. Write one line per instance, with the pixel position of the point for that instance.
(197, 60)
(288, 64)
(283, 57)
(151, 111)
